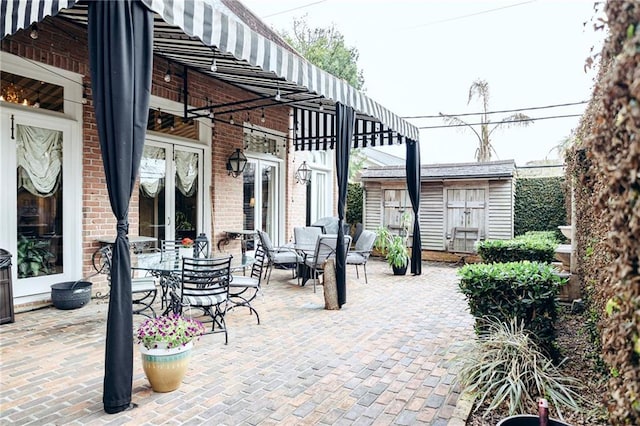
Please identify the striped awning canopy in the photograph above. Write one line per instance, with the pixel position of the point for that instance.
(195, 33)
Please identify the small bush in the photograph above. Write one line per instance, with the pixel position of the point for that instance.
(505, 368)
(535, 246)
(523, 290)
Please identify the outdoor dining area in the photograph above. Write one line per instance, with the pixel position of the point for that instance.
(189, 277)
(302, 364)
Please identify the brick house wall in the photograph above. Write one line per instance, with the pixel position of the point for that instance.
(64, 45)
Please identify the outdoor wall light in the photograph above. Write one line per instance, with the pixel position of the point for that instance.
(34, 32)
(236, 163)
(303, 174)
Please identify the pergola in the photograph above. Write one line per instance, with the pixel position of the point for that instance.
(207, 36)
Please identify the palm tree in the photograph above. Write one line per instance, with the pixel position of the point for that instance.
(480, 89)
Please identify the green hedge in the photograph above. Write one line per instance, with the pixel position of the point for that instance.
(539, 205)
(535, 246)
(354, 203)
(523, 290)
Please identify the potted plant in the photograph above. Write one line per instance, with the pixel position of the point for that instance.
(398, 255)
(165, 344)
(187, 247)
(33, 257)
(394, 249)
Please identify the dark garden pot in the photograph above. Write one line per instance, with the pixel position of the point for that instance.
(399, 270)
(528, 420)
(71, 294)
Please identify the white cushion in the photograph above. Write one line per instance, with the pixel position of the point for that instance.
(355, 259)
(242, 281)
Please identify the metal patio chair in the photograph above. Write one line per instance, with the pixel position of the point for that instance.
(360, 254)
(325, 249)
(204, 285)
(243, 289)
(143, 289)
(282, 257)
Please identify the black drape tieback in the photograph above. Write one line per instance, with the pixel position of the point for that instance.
(123, 227)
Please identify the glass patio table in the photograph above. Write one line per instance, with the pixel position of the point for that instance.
(168, 270)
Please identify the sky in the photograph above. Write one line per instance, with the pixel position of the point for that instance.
(421, 57)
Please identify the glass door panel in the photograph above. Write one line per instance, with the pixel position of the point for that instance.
(268, 199)
(170, 201)
(186, 194)
(249, 197)
(261, 203)
(152, 192)
(39, 201)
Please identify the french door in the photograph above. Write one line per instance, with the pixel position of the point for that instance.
(170, 192)
(41, 198)
(261, 197)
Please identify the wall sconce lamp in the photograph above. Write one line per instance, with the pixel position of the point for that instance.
(167, 75)
(236, 163)
(303, 174)
(33, 33)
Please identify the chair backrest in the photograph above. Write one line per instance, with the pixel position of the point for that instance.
(306, 235)
(358, 232)
(326, 248)
(258, 264)
(265, 242)
(205, 276)
(170, 249)
(365, 243)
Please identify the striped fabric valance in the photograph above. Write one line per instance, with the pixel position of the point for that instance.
(315, 131)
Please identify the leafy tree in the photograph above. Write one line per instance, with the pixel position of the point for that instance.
(326, 49)
(480, 89)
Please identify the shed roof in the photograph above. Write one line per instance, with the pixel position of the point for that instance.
(432, 172)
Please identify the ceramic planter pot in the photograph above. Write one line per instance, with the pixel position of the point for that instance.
(165, 368)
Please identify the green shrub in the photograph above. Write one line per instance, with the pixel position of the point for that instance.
(539, 205)
(506, 368)
(354, 203)
(535, 246)
(523, 290)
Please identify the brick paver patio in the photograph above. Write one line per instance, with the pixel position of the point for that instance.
(387, 357)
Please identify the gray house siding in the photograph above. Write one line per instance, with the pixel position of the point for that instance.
(432, 216)
(372, 206)
(501, 197)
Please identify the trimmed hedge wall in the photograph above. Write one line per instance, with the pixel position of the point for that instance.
(523, 290)
(539, 205)
(535, 246)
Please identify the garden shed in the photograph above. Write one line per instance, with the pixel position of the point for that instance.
(459, 203)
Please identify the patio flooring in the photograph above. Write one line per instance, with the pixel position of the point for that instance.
(387, 357)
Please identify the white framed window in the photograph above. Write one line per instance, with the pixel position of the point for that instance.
(40, 154)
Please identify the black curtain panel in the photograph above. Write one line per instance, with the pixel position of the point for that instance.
(345, 122)
(121, 54)
(413, 185)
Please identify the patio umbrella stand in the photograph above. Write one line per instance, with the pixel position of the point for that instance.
(71, 294)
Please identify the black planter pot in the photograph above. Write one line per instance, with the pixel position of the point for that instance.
(399, 270)
(71, 294)
(528, 420)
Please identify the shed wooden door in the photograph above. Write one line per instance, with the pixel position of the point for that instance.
(466, 209)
